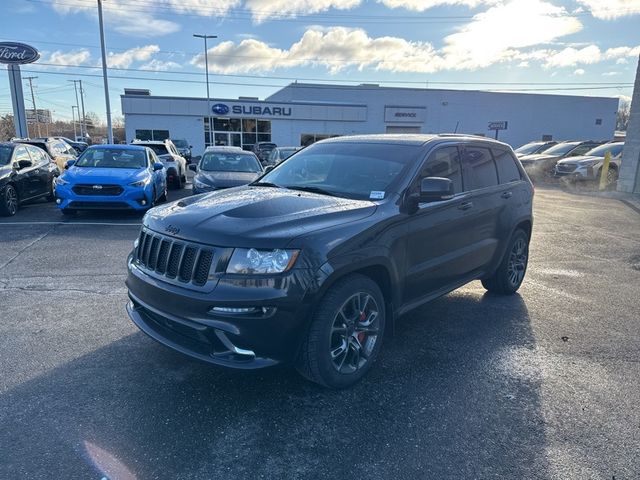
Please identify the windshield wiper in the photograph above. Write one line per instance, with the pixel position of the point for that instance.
(312, 189)
(264, 184)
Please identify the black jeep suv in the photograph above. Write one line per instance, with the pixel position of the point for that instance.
(310, 262)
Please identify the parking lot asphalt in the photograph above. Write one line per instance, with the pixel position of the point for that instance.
(544, 384)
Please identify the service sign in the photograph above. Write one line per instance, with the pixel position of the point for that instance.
(405, 114)
(498, 125)
(17, 53)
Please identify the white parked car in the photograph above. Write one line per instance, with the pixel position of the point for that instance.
(174, 163)
(279, 154)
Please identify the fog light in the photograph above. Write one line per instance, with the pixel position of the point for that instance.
(238, 310)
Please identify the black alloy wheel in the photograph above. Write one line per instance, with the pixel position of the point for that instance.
(345, 335)
(9, 203)
(510, 274)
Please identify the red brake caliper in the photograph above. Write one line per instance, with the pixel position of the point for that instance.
(362, 335)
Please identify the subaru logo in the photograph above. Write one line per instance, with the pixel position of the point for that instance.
(220, 109)
(97, 187)
(172, 230)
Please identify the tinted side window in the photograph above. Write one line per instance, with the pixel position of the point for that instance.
(20, 153)
(581, 150)
(444, 162)
(479, 166)
(37, 156)
(507, 168)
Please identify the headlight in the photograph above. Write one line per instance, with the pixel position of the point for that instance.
(251, 260)
(61, 181)
(141, 183)
(198, 184)
(589, 163)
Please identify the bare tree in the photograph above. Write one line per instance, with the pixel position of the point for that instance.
(7, 129)
(622, 116)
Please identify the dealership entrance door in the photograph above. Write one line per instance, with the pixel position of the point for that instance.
(402, 129)
(228, 139)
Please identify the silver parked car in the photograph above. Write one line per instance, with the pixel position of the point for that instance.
(589, 166)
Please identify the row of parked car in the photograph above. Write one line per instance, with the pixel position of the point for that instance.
(574, 160)
(120, 177)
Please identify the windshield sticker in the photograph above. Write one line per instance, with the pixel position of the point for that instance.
(376, 195)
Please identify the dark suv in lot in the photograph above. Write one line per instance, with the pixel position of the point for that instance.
(309, 263)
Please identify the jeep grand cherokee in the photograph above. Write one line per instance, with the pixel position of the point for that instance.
(310, 262)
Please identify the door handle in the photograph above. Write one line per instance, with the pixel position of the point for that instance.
(507, 194)
(465, 206)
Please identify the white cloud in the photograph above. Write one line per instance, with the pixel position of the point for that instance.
(570, 56)
(494, 35)
(422, 5)
(160, 65)
(126, 58)
(524, 64)
(610, 9)
(579, 71)
(120, 17)
(73, 57)
(205, 8)
(263, 9)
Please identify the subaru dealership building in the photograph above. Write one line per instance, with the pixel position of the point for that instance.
(300, 114)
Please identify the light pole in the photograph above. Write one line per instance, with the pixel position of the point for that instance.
(75, 86)
(104, 74)
(33, 99)
(73, 119)
(206, 67)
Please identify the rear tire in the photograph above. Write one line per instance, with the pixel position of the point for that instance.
(9, 202)
(345, 334)
(509, 276)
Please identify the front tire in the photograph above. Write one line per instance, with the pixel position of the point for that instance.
(52, 191)
(510, 274)
(9, 202)
(345, 335)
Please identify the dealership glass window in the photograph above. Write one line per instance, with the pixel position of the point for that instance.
(307, 139)
(152, 135)
(237, 132)
(264, 126)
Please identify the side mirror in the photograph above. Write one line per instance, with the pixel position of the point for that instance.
(268, 168)
(157, 166)
(434, 189)
(193, 167)
(24, 164)
(69, 164)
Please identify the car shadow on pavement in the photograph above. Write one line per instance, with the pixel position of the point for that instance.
(455, 394)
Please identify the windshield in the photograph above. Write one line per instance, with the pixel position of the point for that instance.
(229, 162)
(528, 148)
(181, 143)
(158, 149)
(112, 158)
(266, 147)
(351, 170)
(601, 150)
(561, 148)
(5, 154)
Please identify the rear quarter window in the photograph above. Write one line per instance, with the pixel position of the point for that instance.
(479, 168)
(505, 163)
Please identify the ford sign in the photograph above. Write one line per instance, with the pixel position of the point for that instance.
(17, 53)
(220, 109)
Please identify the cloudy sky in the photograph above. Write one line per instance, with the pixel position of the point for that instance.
(576, 47)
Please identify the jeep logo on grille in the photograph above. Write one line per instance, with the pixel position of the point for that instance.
(97, 187)
(172, 230)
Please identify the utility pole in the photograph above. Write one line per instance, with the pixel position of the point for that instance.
(206, 66)
(33, 99)
(73, 117)
(83, 121)
(104, 73)
(77, 105)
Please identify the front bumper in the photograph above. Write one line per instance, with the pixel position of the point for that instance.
(131, 198)
(578, 173)
(182, 319)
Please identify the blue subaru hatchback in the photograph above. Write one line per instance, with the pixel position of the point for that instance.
(112, 177)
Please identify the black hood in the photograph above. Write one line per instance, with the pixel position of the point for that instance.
(226, 179)
(261, 217)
